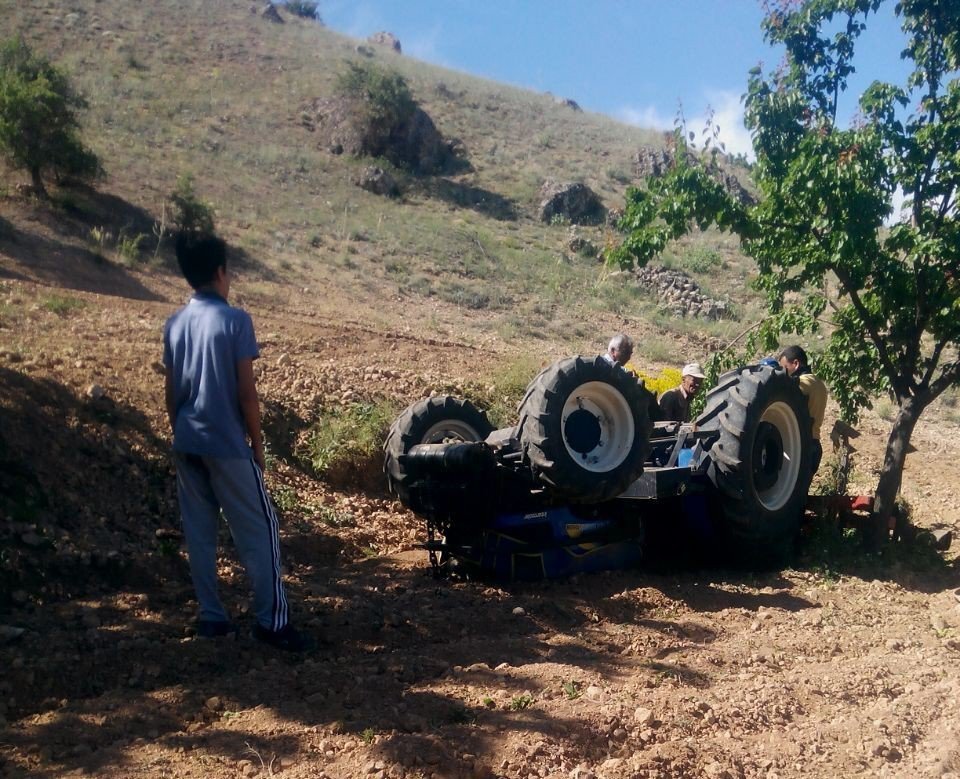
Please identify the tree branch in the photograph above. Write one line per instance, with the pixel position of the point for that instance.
(746, 332)
(947, 378)
(934, 361)
(871, 329)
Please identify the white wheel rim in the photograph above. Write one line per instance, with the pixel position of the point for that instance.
(610, 410)
(781, 416)
(450, 430)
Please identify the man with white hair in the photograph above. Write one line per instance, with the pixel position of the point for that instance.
(675, 403)
(619, 350)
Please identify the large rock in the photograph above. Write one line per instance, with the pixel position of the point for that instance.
(574, 202)
(378, 181)
(566, 102)
(651, 161)
(420, 144)
(656, 161)
(386, 39)
(271, 14)
(582, 246)
(415, 143)
(732, 184)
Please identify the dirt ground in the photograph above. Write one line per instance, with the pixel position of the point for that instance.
(843, 666)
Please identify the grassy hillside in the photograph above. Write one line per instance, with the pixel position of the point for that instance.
(214, 90)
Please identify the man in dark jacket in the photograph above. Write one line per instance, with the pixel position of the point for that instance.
(675, 403)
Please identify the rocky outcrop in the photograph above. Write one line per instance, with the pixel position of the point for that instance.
(578, 244)
(651, 161)
(386, 39)
(732, 184)
(415, 143)
(566, 102)
(420, 144)
(378, 181)
(680, 294)
(574, 202)
(271, 14)
(656, 161)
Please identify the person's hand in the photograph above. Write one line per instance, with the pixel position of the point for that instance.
(259, 458)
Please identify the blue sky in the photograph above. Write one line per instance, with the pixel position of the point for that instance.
(634, 60)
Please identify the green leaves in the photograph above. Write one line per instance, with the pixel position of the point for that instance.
(823, 220)
(687, 196)
(191, 215)
(38, 116)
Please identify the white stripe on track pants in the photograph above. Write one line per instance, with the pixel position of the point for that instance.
(204, 486)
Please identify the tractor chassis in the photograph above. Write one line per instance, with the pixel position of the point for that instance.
(485, 516)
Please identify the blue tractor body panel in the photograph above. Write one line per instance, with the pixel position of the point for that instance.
(555, 543)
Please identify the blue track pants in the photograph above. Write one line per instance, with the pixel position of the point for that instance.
(205, 485)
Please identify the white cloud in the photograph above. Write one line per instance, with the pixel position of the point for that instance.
(727, 115)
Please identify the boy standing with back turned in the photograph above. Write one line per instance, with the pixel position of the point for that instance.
(211, 397)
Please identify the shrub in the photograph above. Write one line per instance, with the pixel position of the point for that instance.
(383, 99)
(128, 246)
(349, 441)
(61, 305)
(702, 260)
(504, 390)
(304, 9)
(618, 175)
(886, 409)
(190, 214)
(285, 498)
(99, 237)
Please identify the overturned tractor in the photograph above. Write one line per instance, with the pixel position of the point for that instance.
(581, 479)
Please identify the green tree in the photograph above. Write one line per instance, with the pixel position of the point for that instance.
(38, 117)
(823, 233)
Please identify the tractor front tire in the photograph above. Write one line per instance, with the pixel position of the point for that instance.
(585, 429)
(760, 464)
(429, 421)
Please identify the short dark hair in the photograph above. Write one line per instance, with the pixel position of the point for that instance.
(199, 256)
(795, 353)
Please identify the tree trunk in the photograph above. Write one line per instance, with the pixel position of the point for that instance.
(891, 474)
(38, 188)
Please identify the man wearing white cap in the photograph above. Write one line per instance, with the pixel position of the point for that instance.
(675, 403)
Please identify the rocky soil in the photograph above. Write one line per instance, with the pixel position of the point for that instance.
(845, 665)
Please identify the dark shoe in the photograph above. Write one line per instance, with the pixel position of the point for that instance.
(209, 628)
(287, 638)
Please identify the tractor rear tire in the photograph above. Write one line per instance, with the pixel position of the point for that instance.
(429, 421)
(585, 429)
(760, 465)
